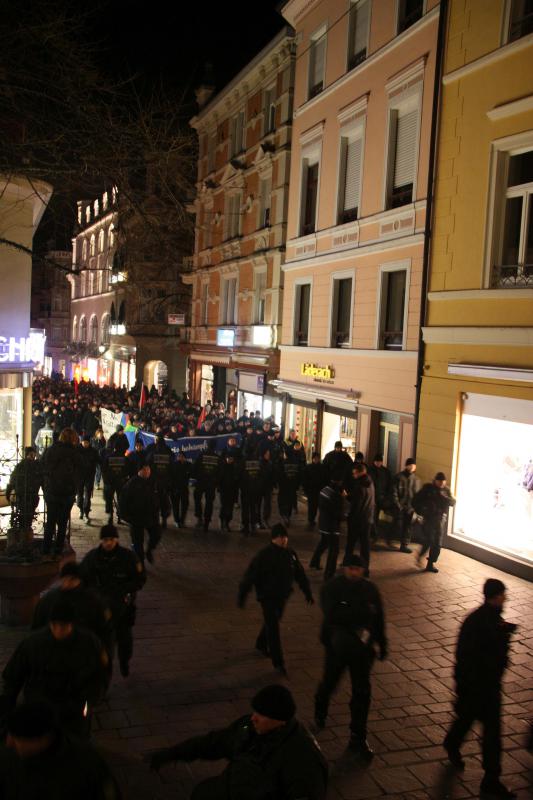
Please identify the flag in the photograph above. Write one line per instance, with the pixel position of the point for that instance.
(143, 397)
(203, 415)
(76, 387)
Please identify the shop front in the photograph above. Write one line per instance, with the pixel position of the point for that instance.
(254, 394)
(494, 480)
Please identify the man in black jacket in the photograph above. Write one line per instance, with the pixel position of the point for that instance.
(116, 574)
(228, 486)
(353, 626)
(159, 457)
(315, 477)
(115, 473)
(361, 515)
(433, 502)
(206, 473)
(61, 471)
(338, 460)
(482, 657)
(179, 488)
(250, 492)
(272, 572)
(139, 507)
(382, 480)
(271, 755)
(89, 460)
(404, 487)
(330, 516)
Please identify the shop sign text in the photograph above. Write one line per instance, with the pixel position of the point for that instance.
(318, 373)
(14, 350)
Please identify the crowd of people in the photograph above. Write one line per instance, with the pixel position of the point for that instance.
(63, 668)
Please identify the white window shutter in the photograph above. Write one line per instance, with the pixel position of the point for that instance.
(352, 175)
(405, 155)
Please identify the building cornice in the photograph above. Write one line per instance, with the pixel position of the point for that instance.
(481, 294)
(349, 352)
(491, 372)
(511, 109)
(294, 10)
(354, 252)
(489, 59)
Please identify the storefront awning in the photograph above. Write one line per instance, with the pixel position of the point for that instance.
(304, 391)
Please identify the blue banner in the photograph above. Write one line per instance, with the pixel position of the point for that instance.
(192, 446)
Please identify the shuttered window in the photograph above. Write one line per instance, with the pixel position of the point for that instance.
(317, 63)
(393, 309)
(342, 310)
(350, 179)
(260, 297)
(359, 21)
(233, 216)
(301, 314)
(237, 134)
(403, 129)
(229, 309)
(310, 196)
(269, 111)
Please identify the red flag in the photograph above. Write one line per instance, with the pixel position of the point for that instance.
(203, 415)
(76, 387)
(143, 397)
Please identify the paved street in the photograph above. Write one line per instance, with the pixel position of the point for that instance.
(195, 668)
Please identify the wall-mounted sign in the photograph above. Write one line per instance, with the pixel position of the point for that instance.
(176, 319)
(31, 348)
(262, 335)
(252, 382)
(317, 372)
(225, 337)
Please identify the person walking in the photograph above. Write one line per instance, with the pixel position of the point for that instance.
(115, 474)
(89, 460)
(353, 627)
(288, 478)
(61, 476)
(62, 664)
(140, 508)
(382, 479)
(22, 490)
(205, 473)
(482, 656)
(404, 487)
(315, 477)
(267, 482)
(331, 512)
(271, 755)
(338, 460)
(360, 490)
(116, 574)
(250, 493)
(272, 572)
(432, 503)
(179, 488)
(228, 487)
(98, 442)
(159, 457)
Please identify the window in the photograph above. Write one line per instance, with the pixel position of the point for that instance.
(269, 110)
(265, 189)
(229, 301)
(514, 266)
(237, 134)
(358, 32)
(105, 201)
(88, 214)
(403, 129)
(260, 280)
(410, 11)
(393, 302)
(105, 280)
(317, 63)
(341, 312)
(101, 241)
(93, 330)
(211, 151)
(83, 329)
(104, 329)
(83, 284)
(520, 19)
(96, 206)
(309, 196)
(208, 227)
(84, 251)
(92, 246)
(111, 236)
(233, 216)
(75, 329)
(350, 178)
(302, 311)
(204, 300)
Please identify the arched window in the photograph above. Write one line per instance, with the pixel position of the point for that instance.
(122, 313)
(75, 330)
(83, 329)
(101, 241)
(83, 284)
(93, 329)
(92, 248)
(90, 282)
(104, 329)
(111, 236)
(84, 250)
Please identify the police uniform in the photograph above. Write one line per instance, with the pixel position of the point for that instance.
(205, 472)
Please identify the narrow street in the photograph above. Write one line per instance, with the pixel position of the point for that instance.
(195, 668)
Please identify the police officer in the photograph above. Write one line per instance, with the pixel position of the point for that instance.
(179, 488)
(89, 460)
(228, 487)
(433, 502)
(353, 626)
(272, 572)
(205, 472)
(482, 656)
(114, 474)
(270, 754)
(136, 458)
(315, 477)
(139, 507)
(159, 457)
(117, 575)
(250, 492)
(288, 474)
(62, 664)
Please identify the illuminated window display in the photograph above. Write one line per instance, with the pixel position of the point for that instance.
(10, 431)
(494, 486)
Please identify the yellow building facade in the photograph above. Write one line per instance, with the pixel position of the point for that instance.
(476, 402)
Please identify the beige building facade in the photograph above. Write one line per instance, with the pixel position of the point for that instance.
(364, 90)
(244, 135)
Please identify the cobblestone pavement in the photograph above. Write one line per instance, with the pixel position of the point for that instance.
(195, 668)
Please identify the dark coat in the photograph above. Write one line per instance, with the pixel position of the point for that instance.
(286, 764)
(89, 611)
(404, 487)
(89, 460)
(138, 502)
(338, 461)
(361, 499)
(116, 576)
(272, 572)
(330, 510)
(90, 422)
(433, 504)
(25, 482)
(315, 477)
(382, 480)
(482, 652)
(62, 470)
(351, 606)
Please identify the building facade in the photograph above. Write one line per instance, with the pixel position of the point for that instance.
(476, 405)
(241, 211)
(357, 214)
(50, 307)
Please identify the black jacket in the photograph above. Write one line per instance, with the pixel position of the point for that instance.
(338, 461)
(90, 423)
(89, 460)
(69, 768)
(330, 510)
(286, 764)
(272, 572)
(482, 651)
(315, 477)
(206, 470)
(433, 503)
(361, 499)
(89, 611)
(404, 487)
(116, 576)
(382, 480)
(351, 606)
(25, 482)
(181, 473)
(62, 469)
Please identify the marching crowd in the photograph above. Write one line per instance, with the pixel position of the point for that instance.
(64, 667)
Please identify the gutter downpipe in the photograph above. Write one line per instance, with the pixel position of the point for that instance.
(428, 228)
